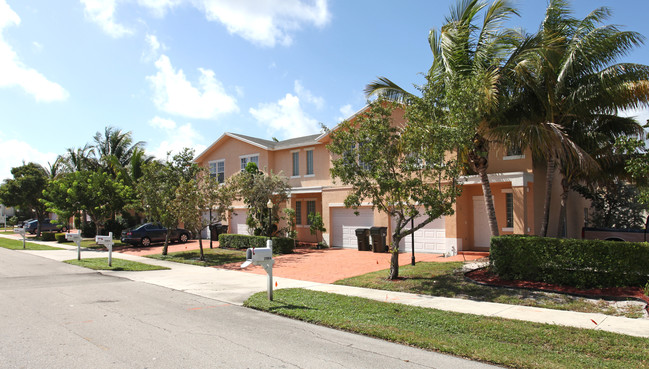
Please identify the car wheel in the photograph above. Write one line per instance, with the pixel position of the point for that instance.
(64, 229)
(146, 242)
(183, 238)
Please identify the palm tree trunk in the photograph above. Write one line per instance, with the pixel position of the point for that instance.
(549, 178)
(562, 212)
(488, 201)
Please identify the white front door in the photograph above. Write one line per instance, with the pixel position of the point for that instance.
(481, 230)
(344, 223)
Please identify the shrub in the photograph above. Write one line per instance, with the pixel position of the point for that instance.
(579, 263)
(88, 230)
(60, 238)
(281, 245)
(48, 236)
(11, 221)
(115, 226)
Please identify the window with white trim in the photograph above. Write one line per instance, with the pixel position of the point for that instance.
(296, 163)
(298, 212)
(212, 168)
(309, 162)
(247, 159)
(220, 171)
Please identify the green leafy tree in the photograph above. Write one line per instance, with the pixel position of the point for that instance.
(255, 188)
(316, 224)
(157, 189)
(403, 171)
(25, 190)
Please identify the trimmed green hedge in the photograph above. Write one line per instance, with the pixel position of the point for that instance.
(241, 242)
(48, 236)
(60, 238)
(579, 263)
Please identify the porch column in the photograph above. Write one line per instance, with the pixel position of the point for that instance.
(520, 209)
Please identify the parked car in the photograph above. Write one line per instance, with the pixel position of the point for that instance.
(47, 226)
(149, 233)
(616, 234)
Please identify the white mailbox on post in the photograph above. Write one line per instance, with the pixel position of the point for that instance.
(21, 231)
(76, 237)
(262, 256)
(108, 242)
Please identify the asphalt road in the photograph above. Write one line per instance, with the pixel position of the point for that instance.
(54, 315)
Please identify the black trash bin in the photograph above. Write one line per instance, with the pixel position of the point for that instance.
(378, 235)
(363, 239)
(215, 230)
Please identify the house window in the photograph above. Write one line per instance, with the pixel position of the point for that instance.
(296, 164)
(220, 171)
(514, 152)
(309, 162)
(310, 209)
(509, 204)
(212, 167)
(247, 159)
(298, 212)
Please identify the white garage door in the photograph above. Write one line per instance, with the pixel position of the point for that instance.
(344, 223)
(238, 222)
(430, 238)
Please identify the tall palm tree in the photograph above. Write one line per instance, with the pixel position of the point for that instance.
(574, 80)
(114, 149)
(464, 50)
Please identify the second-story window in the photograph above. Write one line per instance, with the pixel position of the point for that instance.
(249, 159)
(309, 162)
(296, 163)
(220, 171)
(212, 167)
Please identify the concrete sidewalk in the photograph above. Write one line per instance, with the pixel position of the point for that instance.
(235, 287)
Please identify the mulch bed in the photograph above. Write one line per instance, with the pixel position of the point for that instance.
(484, 276)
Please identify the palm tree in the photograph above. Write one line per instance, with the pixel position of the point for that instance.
(573, 82)
(114, 149)
(463, 50)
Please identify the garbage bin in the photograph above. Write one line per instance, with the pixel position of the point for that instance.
(378, 235)
(363, 239)
(215, 230)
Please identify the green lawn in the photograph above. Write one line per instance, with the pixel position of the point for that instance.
(212, 257)
(495, 340)
(18, 245)
(447, 280)
(118, 264)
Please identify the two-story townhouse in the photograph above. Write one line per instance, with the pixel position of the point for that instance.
(517, 185)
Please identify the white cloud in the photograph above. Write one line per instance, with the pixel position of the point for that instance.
(285, 117)
(153, 48)
(346, 111)
(102, 12)
(307, 95)
(21, 151)
(265, 22)
(159, 7)
(176, 138)
(641, 115)
(174, 94)
(13, 72)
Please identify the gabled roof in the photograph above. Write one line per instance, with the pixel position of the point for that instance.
(265, 144)
(325, 134)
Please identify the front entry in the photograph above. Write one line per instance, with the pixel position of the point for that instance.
(481, 230)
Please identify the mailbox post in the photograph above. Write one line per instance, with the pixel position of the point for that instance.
(76, 237)
(21, 231)
(108, 242)
(262, 256)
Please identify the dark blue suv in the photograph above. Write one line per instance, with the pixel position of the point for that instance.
(149, 233)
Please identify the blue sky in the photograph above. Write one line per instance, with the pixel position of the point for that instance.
(180, 73)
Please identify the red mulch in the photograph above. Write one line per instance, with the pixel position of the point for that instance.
(484, 276)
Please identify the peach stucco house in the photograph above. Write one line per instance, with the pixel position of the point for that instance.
(517, 185)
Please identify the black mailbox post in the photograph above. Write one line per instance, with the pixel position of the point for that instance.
(363, 239)
(378, 235)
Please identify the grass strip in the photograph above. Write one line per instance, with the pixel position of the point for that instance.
(18, 245)
(213, 257)
(447, 280)
(118, 264)
(495, 340)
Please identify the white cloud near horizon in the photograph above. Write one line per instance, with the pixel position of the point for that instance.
(102, 12)
(177, 137)
(287, 117)
(346, 111)
(153, 48)
(262, 22)
(174, 94)
(13, 72)
(21, 152)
